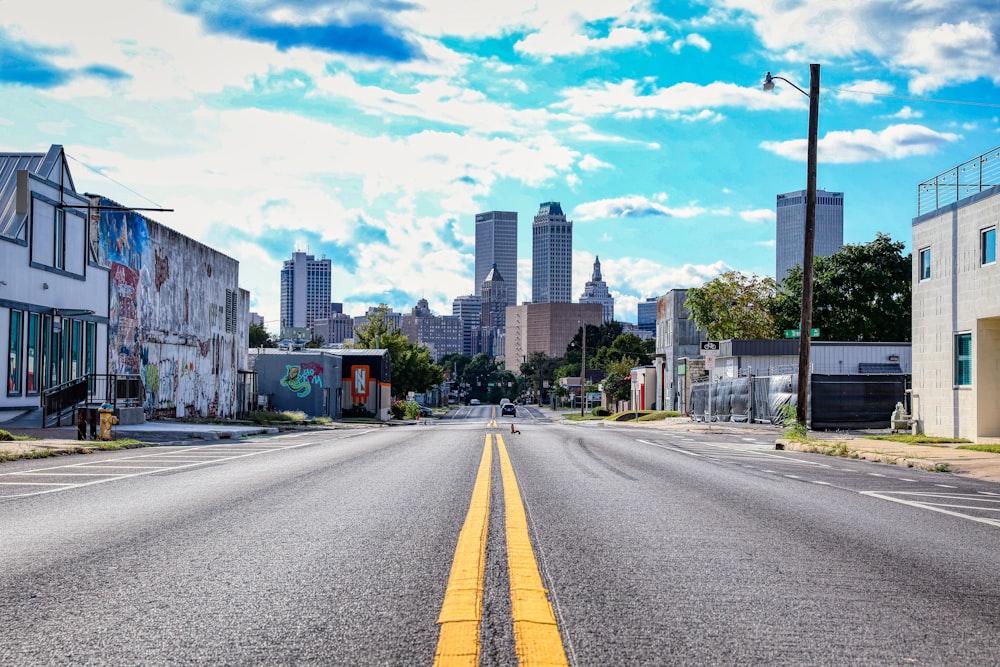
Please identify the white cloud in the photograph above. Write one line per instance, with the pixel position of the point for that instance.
(591, 163)
(863, 92)
(906, 113)
(632, 98)
(758, 215)
(632, 206)
(695, 40)
(893, 143)
(916, 37)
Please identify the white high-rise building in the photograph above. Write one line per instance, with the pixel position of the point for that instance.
(551, 255)
(790, 225)
(596, 291)
(496, 245)
(305, 291)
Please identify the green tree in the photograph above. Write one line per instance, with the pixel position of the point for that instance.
(412, 366)
(862, 292)
(734, 305)
(539, 369)
(315, 342)
(259, 337)
(626, 345)
(618, 382)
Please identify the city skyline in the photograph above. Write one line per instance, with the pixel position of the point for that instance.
(373, 135)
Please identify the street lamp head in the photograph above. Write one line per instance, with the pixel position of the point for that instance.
(768, 84)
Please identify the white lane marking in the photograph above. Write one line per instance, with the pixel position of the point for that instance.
(989, 493)
(875, 474)
(911, 503)
(32, 484)
(145, 470)
(672, 449)
(905, 479)
(822, 483)
(792, 476)
(946, 486)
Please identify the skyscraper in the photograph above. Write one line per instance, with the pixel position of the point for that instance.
(492, 315)
(790, 223)
(305, 291)
(551, 255)
(496, 245)
(467, 307)
(596, 291)
(646, 314)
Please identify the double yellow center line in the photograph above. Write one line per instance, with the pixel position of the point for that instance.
(536, 634)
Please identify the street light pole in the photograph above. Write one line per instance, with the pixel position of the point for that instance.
(583, 369)
(808, 238)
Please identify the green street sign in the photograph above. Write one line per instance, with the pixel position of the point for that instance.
(792, 333)
(813, 333)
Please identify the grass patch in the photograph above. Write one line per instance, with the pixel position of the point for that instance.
(581, 418)
(992, 449)
(916, 439)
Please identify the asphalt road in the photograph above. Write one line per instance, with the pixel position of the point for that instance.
(656, 548)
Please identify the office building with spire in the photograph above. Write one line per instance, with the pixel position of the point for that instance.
(496, 246)
(492, 314)
(551, 255)
(790, 226)
(596, 291)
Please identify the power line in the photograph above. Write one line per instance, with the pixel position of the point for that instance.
(917, 99)
(99, 173)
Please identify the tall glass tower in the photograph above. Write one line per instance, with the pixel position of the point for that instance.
(790, 225)
(551, 255)
(496, 245)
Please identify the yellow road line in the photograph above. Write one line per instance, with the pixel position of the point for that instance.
(462, 609)
(536, 634)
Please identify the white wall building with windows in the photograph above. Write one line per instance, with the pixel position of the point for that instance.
(956, 309)
(305, 291)
(53, 294)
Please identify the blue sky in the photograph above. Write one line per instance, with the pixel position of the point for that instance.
(373, 131)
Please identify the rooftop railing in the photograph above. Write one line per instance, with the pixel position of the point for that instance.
(969, 178)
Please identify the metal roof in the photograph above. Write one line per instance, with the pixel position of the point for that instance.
(12, 224)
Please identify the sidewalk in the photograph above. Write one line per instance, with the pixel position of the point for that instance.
(979, 465)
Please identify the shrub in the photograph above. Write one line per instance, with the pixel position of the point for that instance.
(397, 410)
(5, 435)
(600, 411)
(358, 411)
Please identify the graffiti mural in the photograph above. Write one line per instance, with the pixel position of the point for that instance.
(167, 322)
(300, 378)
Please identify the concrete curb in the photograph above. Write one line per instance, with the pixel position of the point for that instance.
(833, 447)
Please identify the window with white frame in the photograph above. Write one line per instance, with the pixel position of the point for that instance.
(925, 264)
(963, 359)
(988, 245)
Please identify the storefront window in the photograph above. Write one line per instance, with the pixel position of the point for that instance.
(14, 361)
(31, 359)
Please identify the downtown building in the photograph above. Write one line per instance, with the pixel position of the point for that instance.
(790, 224)
(545, 327)
(305, 292)
(551, 255)
(440, 334)
(496, 247)
(596, 291)
(467, 307)
(489, 335)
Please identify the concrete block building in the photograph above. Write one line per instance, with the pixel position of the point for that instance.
(956, 302)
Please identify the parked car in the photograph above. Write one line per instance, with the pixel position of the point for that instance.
(508, 409)
(474, 401)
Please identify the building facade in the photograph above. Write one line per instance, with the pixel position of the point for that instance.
(646, 314)
(489, 336)
(305, 291)
(496, 246)
(467, 307)
(956, 309)
(677, 337)
(177, 314)
(53, 294)
(790, 223)
(596, 291)
(335, 329)
(551, 255)
(546, 327)
(440, 334)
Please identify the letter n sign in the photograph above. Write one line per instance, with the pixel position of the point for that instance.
(359, 383)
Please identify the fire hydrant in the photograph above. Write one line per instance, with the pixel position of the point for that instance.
(108, 420)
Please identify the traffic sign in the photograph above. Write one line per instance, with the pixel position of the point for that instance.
(795, 333)
(710, 348)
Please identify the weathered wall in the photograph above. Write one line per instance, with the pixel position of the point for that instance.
(176, 318)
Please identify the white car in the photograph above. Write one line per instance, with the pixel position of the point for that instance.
(474, 401)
